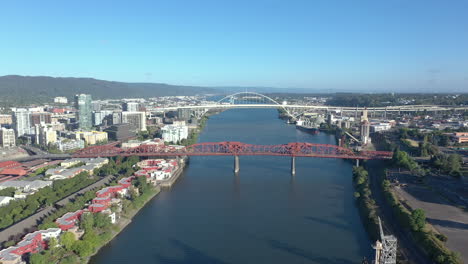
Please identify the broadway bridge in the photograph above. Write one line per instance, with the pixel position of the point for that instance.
(235, 149)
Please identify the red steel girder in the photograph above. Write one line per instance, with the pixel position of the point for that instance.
(234, 148)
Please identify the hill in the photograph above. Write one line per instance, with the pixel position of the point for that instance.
(20, 90)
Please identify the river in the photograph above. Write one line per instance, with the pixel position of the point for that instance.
(262, 215)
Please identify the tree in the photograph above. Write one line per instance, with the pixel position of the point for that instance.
(454, 164)
(101, 220)
(38, 258)
(82, 248)
(10, 191)
(418, 220)
(72, 259)
(67, 240)
(86, 221)
(52, 243)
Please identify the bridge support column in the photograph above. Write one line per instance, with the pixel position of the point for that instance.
(236, 164)
(357, 162)
(293, 165)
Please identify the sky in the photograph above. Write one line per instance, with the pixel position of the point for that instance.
(335, 45)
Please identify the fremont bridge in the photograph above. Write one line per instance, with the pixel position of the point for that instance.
(234, 149)
(293, 111)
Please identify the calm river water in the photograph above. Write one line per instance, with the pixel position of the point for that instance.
(263, 215)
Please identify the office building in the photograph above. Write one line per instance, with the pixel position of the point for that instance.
(91, 137)
(116, 118)
(131, 106)
(7, 137)
(84, 111)
(41, 118)
(96, 106)
(100, 116)
(22, 121)
(120, 132)
(136, 119)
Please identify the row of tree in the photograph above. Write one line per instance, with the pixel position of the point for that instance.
(18, 210)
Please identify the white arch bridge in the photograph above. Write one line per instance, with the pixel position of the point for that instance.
(257, 100)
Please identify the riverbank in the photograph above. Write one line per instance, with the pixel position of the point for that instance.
(143, 199)
(126, 219)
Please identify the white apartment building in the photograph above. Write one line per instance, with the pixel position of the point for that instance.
(173, 133)
(7, 138)
(45, 134)
(22, 121)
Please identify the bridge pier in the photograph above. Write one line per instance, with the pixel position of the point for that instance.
(236, 164)
(293, 165)
(357, 162)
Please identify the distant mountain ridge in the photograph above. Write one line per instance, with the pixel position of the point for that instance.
(39, 89)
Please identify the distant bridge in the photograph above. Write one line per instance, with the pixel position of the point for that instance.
(235, 149)
(256, 100)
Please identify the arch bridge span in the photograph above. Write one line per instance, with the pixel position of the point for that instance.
(257, 100)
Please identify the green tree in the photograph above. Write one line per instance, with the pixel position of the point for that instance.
(72, 259)
(38, 258)
(52, 243)
(82, 248)
(418, 220)
(454, 164)
(10, 191)
(102, 220)
(87, 221)
(67, 240)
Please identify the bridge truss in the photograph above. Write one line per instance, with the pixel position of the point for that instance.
(234, 149)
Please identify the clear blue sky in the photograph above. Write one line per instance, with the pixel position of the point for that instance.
(374, 45)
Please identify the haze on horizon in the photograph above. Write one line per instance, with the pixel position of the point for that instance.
(336, 45)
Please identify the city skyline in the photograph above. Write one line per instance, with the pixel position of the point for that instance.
(384, 46)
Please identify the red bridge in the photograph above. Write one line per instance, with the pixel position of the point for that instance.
(235, 149)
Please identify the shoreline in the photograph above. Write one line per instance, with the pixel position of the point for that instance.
(124, 221)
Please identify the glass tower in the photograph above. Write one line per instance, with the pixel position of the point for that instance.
(84, 112)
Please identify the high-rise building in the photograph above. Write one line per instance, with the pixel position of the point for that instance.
(84, 111)
(131, 106)
(135, 119)
(7, 137)
(22, 121)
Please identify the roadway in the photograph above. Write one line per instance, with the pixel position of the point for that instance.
(402, 108)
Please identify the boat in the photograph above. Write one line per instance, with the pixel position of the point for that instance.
(307, 126)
